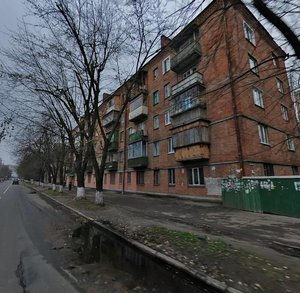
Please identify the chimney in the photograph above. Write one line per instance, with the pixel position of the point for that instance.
(164, 41)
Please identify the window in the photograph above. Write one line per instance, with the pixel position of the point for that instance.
(140, 177)
(156, 177)
(195, 176)
(130, 131)
(112, 177)
(167, 118)
(274, 59)
(257, 97)
(156, 122)
(137, 150)
(166, 65)
(171, 176)
(136, 103)
(295, 170)
(170, 145)
(285, 113)
(105, 178)
(253, 64)
(167, 90)
(290, 143)
(121, 136)
(120, 178)
(279, 84)
(249, 33)
(155, 73)
(268, 170)
(156, 149)
(263, 134)
(89, 178)
(155, 97)
(128, 177)
(189, 72)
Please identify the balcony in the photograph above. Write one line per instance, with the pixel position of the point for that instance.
(188, 111)
(114, 143)
(197, 152)
(138, 111)
(186, 57)
(188, 82)
(192, 136)
(140, 162)
(111, 166)
(110, 118)
(138, 136)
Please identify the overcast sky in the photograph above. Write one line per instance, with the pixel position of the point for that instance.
(10, 11)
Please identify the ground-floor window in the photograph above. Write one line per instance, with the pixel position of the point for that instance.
(156, 177)
(140, 177)
(195, 176)
(295, 170)
(105, 178)
(89, 179)
(112, 177)
(268, 170)
(128, 177)
(120, 178)
(171, 176)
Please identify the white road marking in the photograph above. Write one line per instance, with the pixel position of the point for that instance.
(7, 189)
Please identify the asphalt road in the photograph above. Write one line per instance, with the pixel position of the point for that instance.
(27, 263)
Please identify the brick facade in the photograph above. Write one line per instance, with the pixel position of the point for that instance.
(215, 122)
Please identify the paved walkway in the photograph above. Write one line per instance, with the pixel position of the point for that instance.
(263, 234)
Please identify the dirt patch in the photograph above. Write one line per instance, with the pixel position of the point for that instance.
(240, 269)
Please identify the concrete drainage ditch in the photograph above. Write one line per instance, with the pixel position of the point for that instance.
(96, 244)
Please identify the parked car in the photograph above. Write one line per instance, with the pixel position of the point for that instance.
(15, 181)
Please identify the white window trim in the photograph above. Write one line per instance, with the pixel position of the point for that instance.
(193, 177)
(254, 68)
(284, 112)
(167, 121)
(157, 149)
(260, 95)
(154, 119)
(290, 143)
(173, 183)
(172, 151)
(167, 85)
(263, 134)
(245, 27)
(165, 70)
(279, 85)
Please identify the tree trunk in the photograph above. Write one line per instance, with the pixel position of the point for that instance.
(80, 185)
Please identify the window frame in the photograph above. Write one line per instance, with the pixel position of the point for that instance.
(198, 178)
(156, 148)
(164, 65)
(155, 100)
(290, 143)
(279, 85)
(140, 177)
(155, 73)
(263, 134)
(156, 122)
(167, 117)
(268, 169)
(167, 93)
(112, 178)
(171, 177)
(260, 97)
(171, 145)
(284, 112)
(128, 177)
(254, 68)
(249, 37)
(156, 177)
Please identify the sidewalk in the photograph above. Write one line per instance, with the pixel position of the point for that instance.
(248, 251)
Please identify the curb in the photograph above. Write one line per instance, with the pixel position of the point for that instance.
(223, 287)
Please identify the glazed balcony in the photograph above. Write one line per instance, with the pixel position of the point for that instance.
(111, 166)
(139, 162)
(110, 118)
(114, 143)
(138, 136)
(194, 79)
(186, 57)
(187, 111)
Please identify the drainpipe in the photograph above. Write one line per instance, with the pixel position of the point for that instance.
(125, 147)
(233, 94)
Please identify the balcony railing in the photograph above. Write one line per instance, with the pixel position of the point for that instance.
(186, 57)
(110, 118)
(188, 82)
(114, 142)
(111, 166)
(137, 136)
(186, 104)
(138, 114)
(195, 135)
(140, 162)
(193, 153)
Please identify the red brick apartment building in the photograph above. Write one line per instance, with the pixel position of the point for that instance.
(215, 102)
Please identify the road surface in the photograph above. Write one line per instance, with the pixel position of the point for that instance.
(27, 262)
